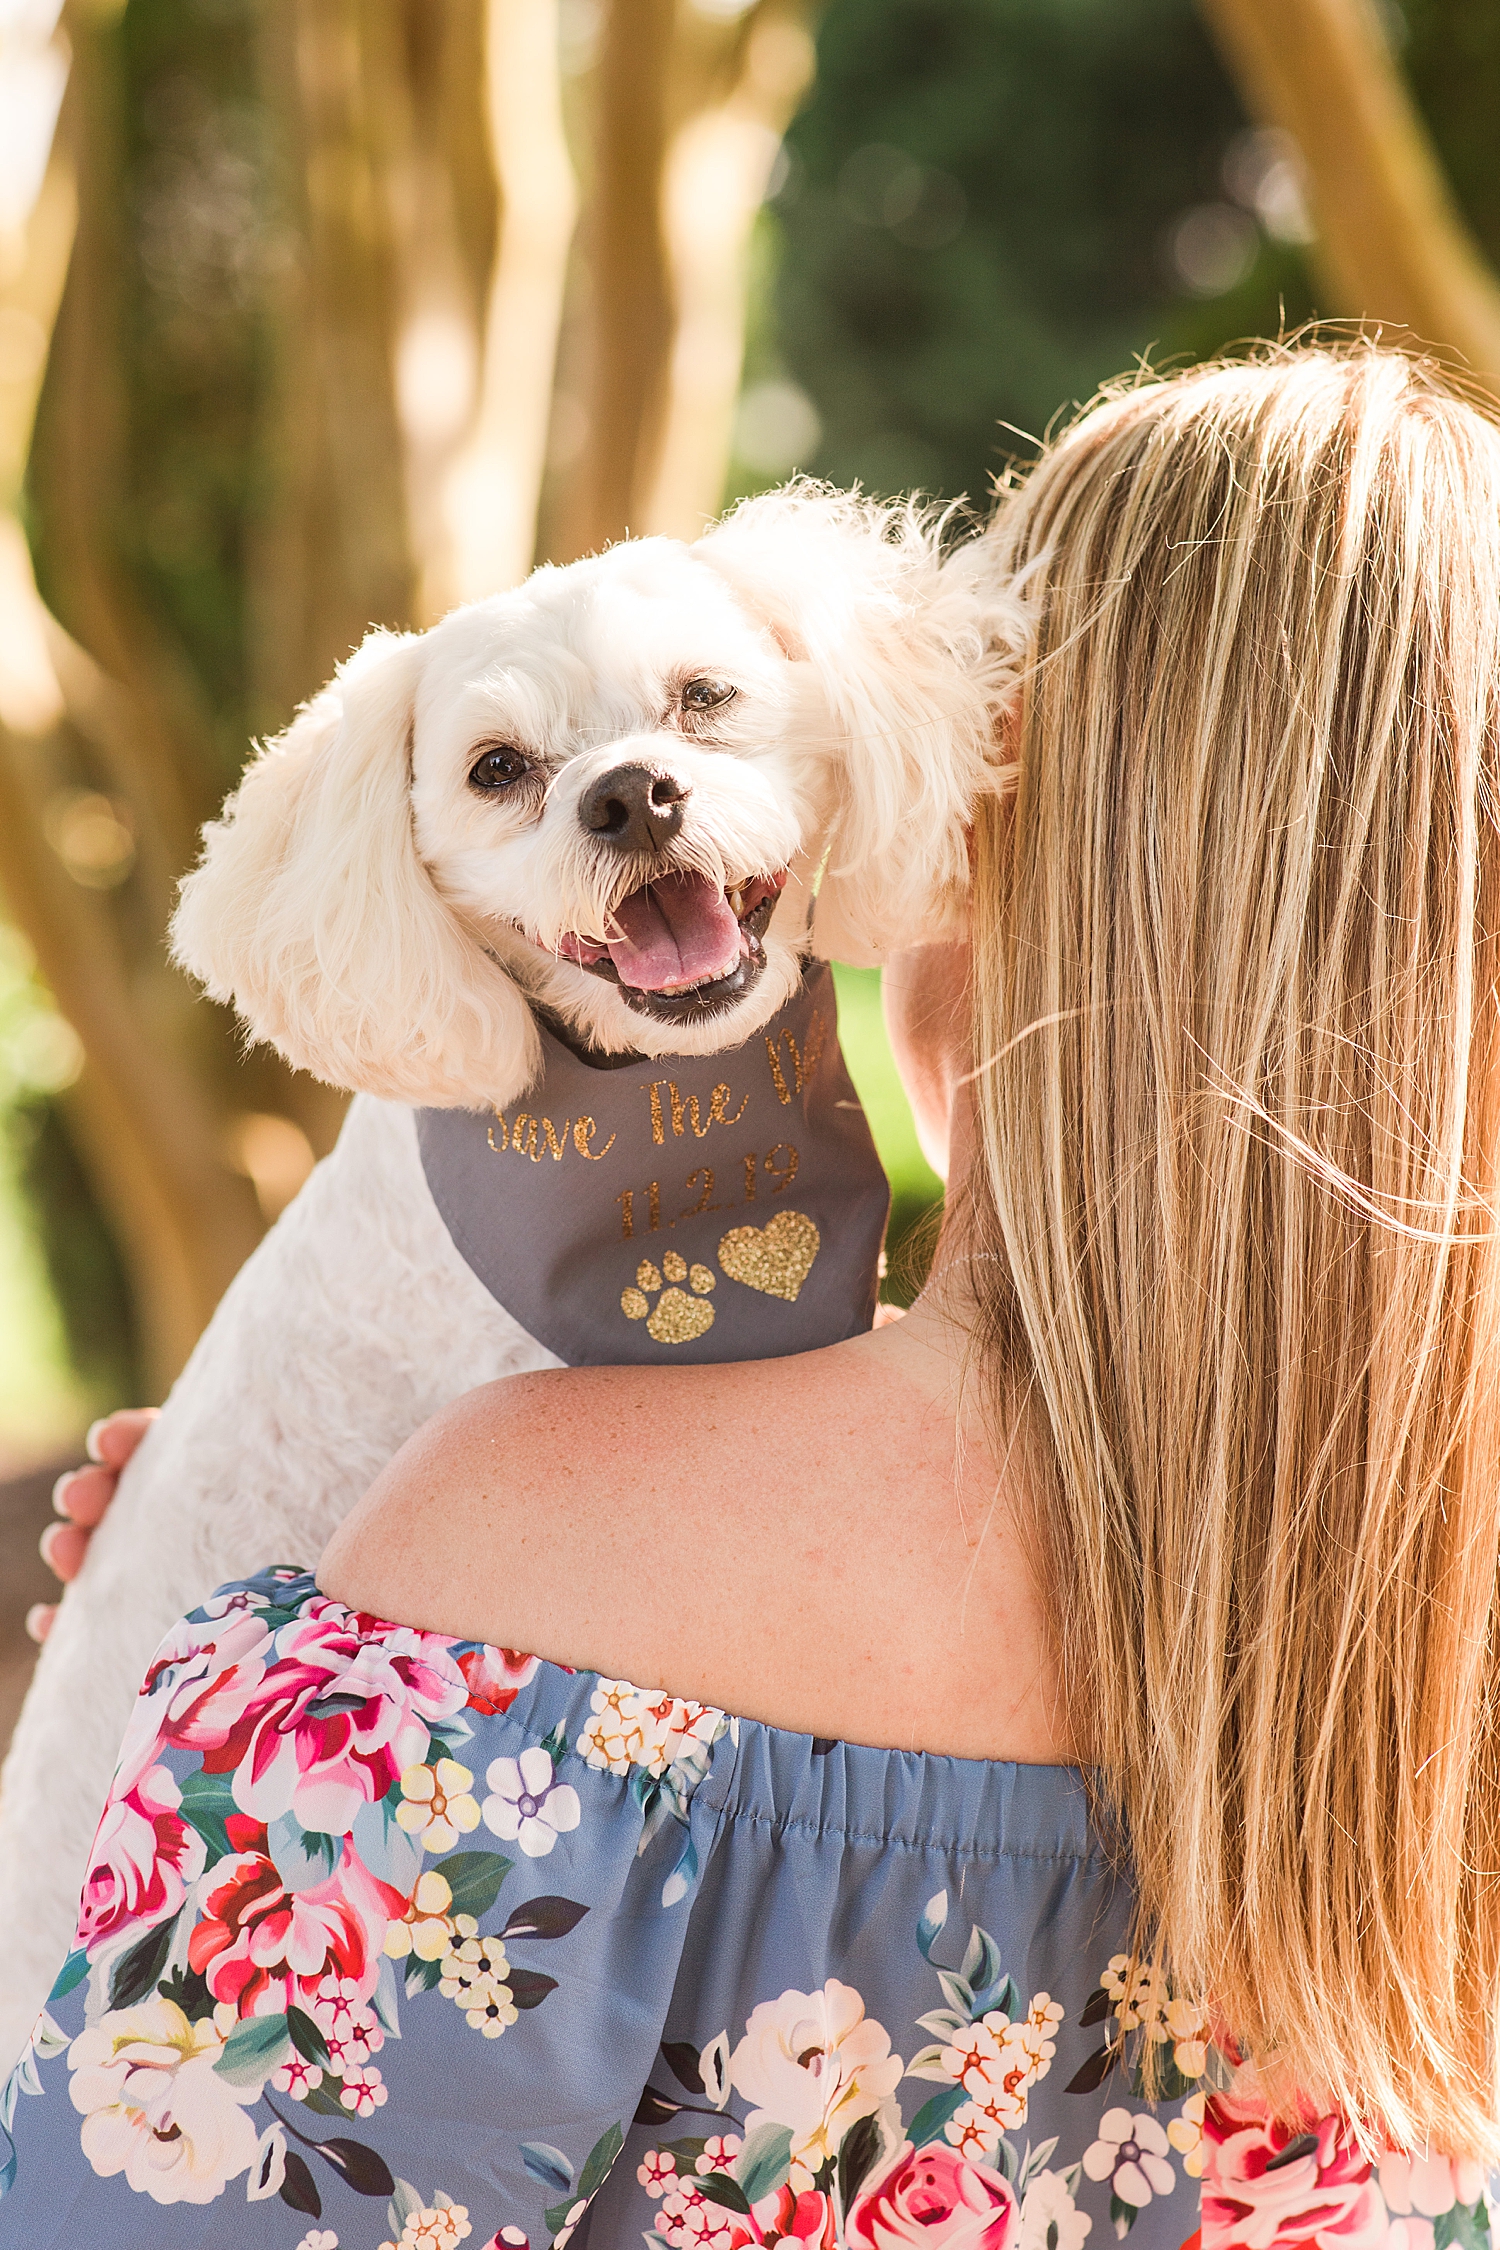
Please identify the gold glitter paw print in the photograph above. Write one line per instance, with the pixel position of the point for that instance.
(676, 1317)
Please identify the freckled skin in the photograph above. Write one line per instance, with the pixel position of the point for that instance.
(849, 1576)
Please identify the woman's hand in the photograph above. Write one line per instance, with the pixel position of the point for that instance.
(82, 1498)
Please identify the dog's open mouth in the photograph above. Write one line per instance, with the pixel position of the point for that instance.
(682, 948)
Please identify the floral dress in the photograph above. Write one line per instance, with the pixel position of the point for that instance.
(392, 1941)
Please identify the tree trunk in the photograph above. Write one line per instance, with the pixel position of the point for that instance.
(151, 1139)
(185, 1221)
(687, 114)
(332, 557)
(629, 324)
(1392, 244)
(717, 170)
(494, 485)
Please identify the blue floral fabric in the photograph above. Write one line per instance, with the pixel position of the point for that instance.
(392, 1939)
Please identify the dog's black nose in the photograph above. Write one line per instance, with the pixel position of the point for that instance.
(634, 808)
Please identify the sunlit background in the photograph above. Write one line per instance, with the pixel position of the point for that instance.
(321, 312)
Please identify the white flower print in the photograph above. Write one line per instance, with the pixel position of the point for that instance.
(657, 2173)
(1050, 2220)
(154, 2107)
(436, 1806)
(1186, 2135)
(363, 2092)
(475, 1977)
(319, 2238)
(351, 2030)
(632, 1726)
(439, 2225)
(815, 2062)
(564, 2234)
(1131, 2153)
(297, 2077)
(529, 1805)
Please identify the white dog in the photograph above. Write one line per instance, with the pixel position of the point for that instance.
(601, 803)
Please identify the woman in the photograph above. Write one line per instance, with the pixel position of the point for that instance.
(1178, 1478)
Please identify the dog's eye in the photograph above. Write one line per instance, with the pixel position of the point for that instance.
(499, 768)
(706, 695)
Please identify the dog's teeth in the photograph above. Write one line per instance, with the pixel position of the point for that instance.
(737, 901)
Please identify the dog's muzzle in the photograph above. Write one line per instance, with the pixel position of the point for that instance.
(680, 948)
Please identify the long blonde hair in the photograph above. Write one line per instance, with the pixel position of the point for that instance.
(1237, 951)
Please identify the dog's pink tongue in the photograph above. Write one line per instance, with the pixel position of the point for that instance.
(678, 930)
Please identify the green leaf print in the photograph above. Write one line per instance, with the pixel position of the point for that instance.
(253, 2050)
(73, 1971)
(299, 2188)
(764, 2161)
(306, 2037)
(930, 2119)
(404, 2201)
(857, 2153)
(360, 2167)
(136, 1972)
(528, 1988)
(474, 1879)
(718, 2187)
(207, 1803)
(930, 1921)
(1465, 2227)
(600, 2157)
(547, 2164)
(544, 1918)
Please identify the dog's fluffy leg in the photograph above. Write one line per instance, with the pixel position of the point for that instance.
(353, 1322)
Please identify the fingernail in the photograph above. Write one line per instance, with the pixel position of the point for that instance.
(47, 1541)
(91, 1442)
(66, 1478)
(39, 1620)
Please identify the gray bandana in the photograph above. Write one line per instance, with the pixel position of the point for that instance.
(698, 1208)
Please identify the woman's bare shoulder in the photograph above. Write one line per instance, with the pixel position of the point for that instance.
(796, 1540)
(513, 1502)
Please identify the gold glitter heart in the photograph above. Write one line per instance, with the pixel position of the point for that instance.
(775, 1259)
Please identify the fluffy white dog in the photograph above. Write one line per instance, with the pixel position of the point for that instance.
(605, 799)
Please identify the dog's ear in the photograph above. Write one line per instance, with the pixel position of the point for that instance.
(917, 659)
(312, 913)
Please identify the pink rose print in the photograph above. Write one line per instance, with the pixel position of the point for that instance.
(1267, 2186)
(1421, 2189)
(495, 1677)
(936, 2197)
(262, 1948)
(805, 2219)
(328, 1722)
(234, 1639)
(145, 1857)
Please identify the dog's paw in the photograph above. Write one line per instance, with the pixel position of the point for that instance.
(676, 1317)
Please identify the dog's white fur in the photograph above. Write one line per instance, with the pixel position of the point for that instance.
(385, 927)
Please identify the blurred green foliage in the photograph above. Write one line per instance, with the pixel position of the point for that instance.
(1062, 139)
(916, 1190)
(1450, 50)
